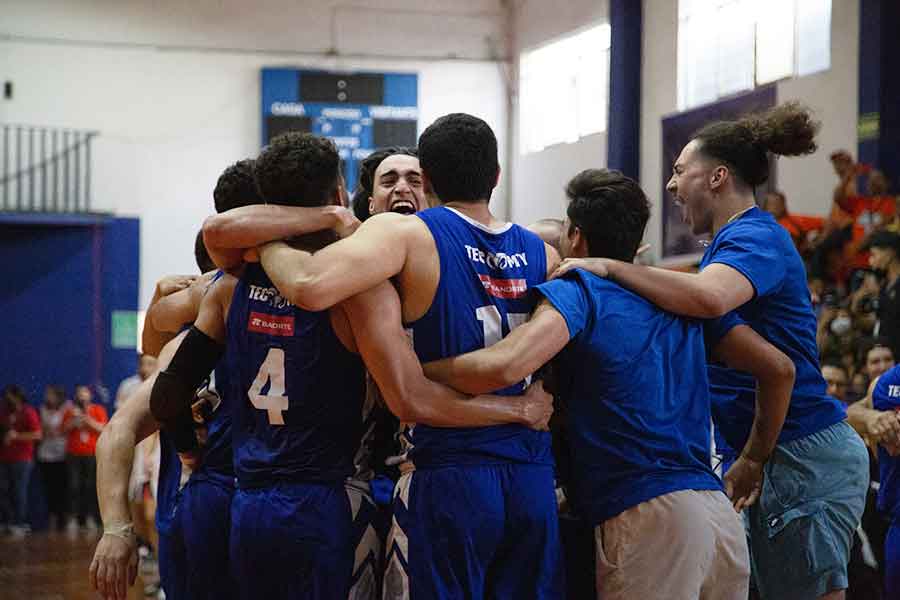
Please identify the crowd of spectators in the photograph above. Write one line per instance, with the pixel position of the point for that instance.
(853, 262)
(60, 437)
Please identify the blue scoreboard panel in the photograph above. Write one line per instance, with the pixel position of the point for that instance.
(359, 111)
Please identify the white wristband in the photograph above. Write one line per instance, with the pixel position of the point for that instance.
(122, 530)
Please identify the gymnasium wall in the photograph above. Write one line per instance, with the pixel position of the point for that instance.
(66, 278)
(808, 182)
(174, 87)
(539, 177)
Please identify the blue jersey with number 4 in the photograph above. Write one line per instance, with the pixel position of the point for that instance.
(485, 291)
(298, 392)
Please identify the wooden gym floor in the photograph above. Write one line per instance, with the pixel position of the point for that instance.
(50, 566)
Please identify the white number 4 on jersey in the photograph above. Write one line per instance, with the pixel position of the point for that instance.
(274, 402)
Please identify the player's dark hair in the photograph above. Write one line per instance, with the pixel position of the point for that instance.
(458, 153)
(201, 255)
(611, 210)
(298, 169)
(366, 185)
(236, 187)
(744, 144)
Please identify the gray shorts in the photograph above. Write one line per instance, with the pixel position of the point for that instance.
(801, 529)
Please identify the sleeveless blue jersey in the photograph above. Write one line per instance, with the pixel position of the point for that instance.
(218, 456)
(484, 292)
(298, 392)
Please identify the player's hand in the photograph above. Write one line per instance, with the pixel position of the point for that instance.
(597, 266)
(537, 407)
(9, 437)
(884, 427)
(743, 482)
(174, 283)
(345, 222)
(114, 567)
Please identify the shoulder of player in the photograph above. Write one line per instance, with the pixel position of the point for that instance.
(393, 223)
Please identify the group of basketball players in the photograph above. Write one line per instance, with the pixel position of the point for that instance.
(312, 320)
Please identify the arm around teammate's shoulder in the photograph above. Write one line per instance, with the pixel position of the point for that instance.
(375, 319)
(226, 235)
(521, 353)
(374, 253)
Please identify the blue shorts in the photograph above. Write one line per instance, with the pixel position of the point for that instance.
(292, 541)
(892, 561)
(172, 562)
(801, 529)
(204, 513)
(475, 532)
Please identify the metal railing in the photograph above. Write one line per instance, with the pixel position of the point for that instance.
(45, 169)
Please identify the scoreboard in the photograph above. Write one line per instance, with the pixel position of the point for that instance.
(359, 111)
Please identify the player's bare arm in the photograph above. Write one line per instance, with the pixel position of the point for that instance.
(745, 350)
(203, 345)
(519, 354)
(114, 566)
(152, 338)
(709, 294)
(171, 312)
(376, 252)
(228, 234)
(879, 426)
(375, 319)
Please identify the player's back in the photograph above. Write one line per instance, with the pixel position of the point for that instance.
(484, 292)
(298, 392)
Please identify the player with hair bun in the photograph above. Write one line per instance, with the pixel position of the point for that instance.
(808, 467)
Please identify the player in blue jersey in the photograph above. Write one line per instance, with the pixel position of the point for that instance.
(886, 397)
(296, 437)
(193, 519)
(815, 482)
(634, 380)
(463, 278)
(390, 180)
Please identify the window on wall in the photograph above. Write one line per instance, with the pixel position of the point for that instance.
(729, 46)
(564, 89)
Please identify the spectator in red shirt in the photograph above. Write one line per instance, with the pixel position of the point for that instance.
(20, 428)
(83, 422)
(802, 228)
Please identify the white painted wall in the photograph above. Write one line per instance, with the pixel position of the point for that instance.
(172, 118)
(832, 94)
(539, 177)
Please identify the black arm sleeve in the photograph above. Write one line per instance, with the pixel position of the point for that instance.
(174, 388)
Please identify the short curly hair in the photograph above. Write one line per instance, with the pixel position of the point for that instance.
(298, 169)
(458, 154)
(236, 187)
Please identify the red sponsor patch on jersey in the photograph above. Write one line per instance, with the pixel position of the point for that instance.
(271, 324)
(504, 288)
